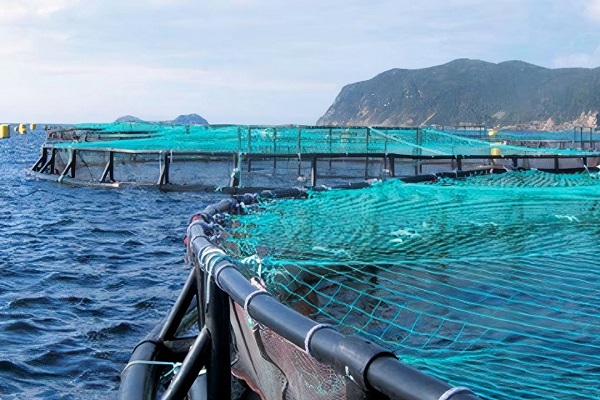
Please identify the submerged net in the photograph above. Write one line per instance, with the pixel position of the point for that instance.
(490, 281)
(294, 139)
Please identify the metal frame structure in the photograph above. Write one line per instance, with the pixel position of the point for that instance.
(45, 167)
(214, 284)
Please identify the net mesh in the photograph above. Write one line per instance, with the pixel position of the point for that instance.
(296, 139)
(489, 281)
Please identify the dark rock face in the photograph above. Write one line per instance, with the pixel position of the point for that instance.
(189, 119)
(128, 118)
(508, 93)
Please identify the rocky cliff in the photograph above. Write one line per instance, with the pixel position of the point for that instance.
(509, 94)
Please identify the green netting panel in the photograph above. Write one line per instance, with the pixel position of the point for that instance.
(121, 127)
(491, 281)
(451, 143)
(171, 138)
(562, 135)
(298, 139)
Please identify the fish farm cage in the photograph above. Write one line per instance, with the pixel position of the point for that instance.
(364, 262)
(451, 286)
(231, 157)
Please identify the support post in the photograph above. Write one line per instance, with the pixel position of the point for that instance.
(299, 150)
(392, 165)
(249, 149)
(109, 169)
(313, 172)
(49, 165)
(190, 368)
(41, 161)
(367, 158)
(274, 149)
(217, 323)
(70, 167)
(164, 173)
(330, 145)
(234, 181)
(179, 309)
(459, 162)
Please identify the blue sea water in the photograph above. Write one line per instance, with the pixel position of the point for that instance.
(85, 274)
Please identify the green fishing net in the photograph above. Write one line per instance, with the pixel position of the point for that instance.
(490, 281)
(292, 140)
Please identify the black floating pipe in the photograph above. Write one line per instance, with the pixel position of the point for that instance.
(235, 284)
(180, 308)
(139, 378)
(217, 322)
(190, 368)
(350, 356)
(284, 321)
(401, 381)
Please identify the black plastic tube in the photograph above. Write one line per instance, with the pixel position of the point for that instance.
(217, 323)
(235, 284)
(190, 368)
(138, 381)
(370, 366)
(400, 381)
(282, 320)
(180, 308)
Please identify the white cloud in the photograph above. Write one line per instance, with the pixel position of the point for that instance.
(131, 74)
(262, 59)
(574, 60)
(17, 11)
(592, 9)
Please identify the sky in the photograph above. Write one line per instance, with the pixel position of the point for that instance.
(257, 61)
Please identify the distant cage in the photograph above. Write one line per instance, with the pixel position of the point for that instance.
(287, 156)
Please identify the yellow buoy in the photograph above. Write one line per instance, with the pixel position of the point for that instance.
(492, 132)
(496, 151)
(4, 131)
(22, 129)
(32, 127)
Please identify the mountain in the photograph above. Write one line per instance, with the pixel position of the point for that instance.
(128, 118)
(189, 119)
(471, 91)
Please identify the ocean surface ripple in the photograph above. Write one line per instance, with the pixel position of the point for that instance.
(86, 274)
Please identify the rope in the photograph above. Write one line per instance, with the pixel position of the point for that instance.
(311, 333)
(252, 296)
(448, 394)
(145, 362)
